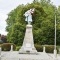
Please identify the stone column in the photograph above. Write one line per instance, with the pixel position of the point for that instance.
(44, 49)
(11, 48)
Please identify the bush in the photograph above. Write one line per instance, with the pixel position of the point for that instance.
(39, 48)
(17, 48)
(48, 48)
(7, 46)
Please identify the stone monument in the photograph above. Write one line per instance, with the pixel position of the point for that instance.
(28, 43)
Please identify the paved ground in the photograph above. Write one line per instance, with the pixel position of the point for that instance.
(14, 55)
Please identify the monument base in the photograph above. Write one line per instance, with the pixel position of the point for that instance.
(25, 50)
(28, 43)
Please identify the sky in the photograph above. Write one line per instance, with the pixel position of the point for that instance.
(7, 5)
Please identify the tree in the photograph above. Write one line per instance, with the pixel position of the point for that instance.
(58, 25)
(4, 38)
(43, 23)
(16, 34)
(16, 22)
(16, 26)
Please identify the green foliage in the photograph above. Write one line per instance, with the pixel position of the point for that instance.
(17, 34)
(17, 48)
(43, 23)
(16, 22)
(39, 48)
(48, 48)
(7, 46)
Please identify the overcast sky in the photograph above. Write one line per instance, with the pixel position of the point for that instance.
(7, 5)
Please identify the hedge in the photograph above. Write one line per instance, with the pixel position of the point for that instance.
(7, 46)
(39, 48)
(48, 48)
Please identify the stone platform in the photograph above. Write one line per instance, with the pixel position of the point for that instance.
(14, 55)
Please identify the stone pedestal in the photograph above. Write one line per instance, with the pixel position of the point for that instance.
(28, 43)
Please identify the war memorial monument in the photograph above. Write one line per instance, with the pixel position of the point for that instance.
(27, 51)
(28, 43)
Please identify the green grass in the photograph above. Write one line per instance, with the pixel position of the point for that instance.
(17, 48)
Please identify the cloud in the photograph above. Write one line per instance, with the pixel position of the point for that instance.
(56, 2)
(11, 4)
(2, 22)
(5, 7)
(3, 32)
